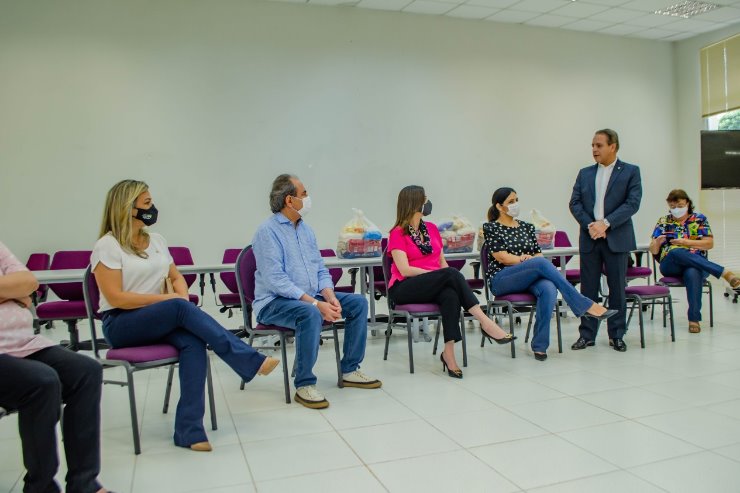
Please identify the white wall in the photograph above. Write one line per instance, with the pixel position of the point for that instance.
(209, 101)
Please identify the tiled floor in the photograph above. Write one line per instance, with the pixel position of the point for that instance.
(664, 418)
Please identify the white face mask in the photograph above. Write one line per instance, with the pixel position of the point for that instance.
(513, 209)
(306, 201)
(679, 212)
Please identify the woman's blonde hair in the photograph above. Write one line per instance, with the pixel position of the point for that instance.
(117, 218)
(410, 201)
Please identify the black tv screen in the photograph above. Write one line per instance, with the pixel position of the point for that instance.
(720, 159)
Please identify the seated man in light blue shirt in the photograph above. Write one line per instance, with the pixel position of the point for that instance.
(293, 289)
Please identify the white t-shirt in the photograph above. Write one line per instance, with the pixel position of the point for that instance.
(139, 275)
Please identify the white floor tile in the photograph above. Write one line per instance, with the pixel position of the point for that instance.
(541, 461)
(731, 452)
(293, 456)
(484, 427)
(182, 470)
(633, 402)
(628, 444)
(449, 471)
(696, 391)
(567, 413)
(375, 409)
(397, 441)
(704, 471)
(698, 426)
(580, 382)
(729, 408)
(611, 482)
(355, 479)
(280, 423)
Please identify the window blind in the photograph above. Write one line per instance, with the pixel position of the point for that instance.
(720, 74)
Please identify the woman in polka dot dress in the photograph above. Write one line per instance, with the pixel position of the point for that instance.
(516, 265)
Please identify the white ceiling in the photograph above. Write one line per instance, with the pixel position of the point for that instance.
(633, 18)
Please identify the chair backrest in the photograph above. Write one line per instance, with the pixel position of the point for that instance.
(335, 272)
(182, 256)
(561, 240)
(69, 259)
(386, 273)
(456, 263)
(378, 271)
(229, 278)
(91, 294)
(485, 259)
(244, 270)
(39, 261)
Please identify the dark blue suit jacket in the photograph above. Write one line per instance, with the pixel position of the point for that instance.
(621, 202)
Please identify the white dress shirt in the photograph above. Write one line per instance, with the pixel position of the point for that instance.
(603, 174)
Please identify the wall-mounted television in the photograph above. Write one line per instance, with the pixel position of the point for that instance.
(720, 159)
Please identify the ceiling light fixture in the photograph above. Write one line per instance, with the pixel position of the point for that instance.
(687, 9)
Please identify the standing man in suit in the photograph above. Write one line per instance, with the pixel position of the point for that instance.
(605, 197)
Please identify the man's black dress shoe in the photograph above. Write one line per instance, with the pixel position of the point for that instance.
(540, 356)
(582, 343)
(618, 345)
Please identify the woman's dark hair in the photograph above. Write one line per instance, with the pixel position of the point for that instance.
(499, 197)
(679, 194)
(410, 201)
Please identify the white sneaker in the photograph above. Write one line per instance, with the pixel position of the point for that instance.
(360, 380)
(310, 397)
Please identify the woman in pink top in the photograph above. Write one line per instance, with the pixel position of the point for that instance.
(36, 378)
(420, 274)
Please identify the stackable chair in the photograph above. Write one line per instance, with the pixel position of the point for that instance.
(71, 305)
(677, 282)
(182, 256)
(475, 283)
(134, 359)
(638, 271)
(573, 276)
(245, 268)
(411, 312)
(336, 274)
(640, 296)
(229, 301)
(510, 303)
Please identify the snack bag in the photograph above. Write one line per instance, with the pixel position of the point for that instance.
(359, 238)
(458, 234)
(544, 230)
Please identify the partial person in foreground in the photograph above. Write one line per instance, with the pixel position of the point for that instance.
(516, 265)
(37, 378)
(680, 241)
(605, 197)
(294, 289)
(131, 266)
(420, 274)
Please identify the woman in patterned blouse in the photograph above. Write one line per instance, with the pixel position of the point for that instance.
(516, 265)
(680, 241)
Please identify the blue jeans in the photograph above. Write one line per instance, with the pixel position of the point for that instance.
(306, 320)
(539, 277)
(694, 269)
(188, 328)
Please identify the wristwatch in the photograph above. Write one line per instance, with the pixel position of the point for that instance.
(315, 303)
(606, 222)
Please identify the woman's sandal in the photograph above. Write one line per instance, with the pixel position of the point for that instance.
(694, 327)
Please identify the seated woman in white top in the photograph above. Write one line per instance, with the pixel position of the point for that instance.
(130, 266)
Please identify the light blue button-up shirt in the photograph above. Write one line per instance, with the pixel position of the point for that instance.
(289, 262)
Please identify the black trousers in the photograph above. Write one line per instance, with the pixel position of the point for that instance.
(36, 386)
(615, 264)
(445, 287)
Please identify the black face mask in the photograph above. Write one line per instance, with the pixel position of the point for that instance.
(426, 209)
(147, 216)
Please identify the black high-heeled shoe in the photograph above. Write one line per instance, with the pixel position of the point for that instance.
(507, 339)
(452, 373)
(603, 316)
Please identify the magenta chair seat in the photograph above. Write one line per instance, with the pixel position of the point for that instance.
(647, 290)
(572, 274)
(639, 271)
(143, 354)
(62, 310)
(476, 284)
(671, 280)
(418, 308)
(517, 298)
(229, 298)
(273, 327)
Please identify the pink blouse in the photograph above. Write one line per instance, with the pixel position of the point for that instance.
(16, 323)
(397, 240)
